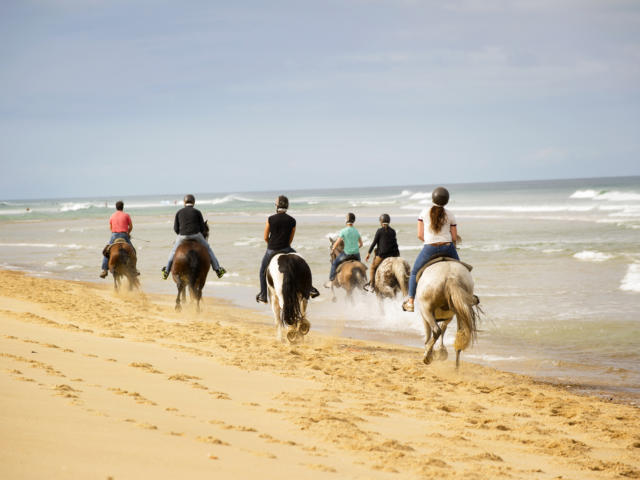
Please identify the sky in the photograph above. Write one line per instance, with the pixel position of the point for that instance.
(115, 97)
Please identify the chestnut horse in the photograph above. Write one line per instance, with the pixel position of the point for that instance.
(122, 263)
(190, 268)
(351, 274)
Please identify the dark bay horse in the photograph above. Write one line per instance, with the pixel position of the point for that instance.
(122, 263)
(351, 274)
(190, 268)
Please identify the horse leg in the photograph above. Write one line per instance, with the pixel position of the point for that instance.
(333, 293)
(277, 314)
(116, 283)
(432, 332)
(441, 352)
(180, 285)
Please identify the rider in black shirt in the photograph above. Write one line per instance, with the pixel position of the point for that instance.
(278, 233)
(387, 243)
(189, 225)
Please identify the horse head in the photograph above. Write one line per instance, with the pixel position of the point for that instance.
(333, 253)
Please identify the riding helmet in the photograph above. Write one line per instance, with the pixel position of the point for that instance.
(351, 217)
(282, 202)
(440, 196)
(385, 218)
(189, 199)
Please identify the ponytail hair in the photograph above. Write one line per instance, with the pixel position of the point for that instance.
(438, 217)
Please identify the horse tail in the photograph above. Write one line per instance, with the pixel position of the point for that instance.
(296, 283)
(358, 276)
(193, 262)
(462, 303)
(401, 271)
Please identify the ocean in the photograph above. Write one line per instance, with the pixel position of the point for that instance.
(556, 263)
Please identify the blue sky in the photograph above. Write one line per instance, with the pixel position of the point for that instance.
(139, 97)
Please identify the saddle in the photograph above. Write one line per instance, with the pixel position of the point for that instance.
(433, 260)
(348, 258)
(106, 251)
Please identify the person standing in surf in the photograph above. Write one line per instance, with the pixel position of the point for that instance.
(121, 225)
(278, 235)
(439, 238)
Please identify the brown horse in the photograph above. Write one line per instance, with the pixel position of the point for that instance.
(122, 263)
(351, 274)
(190, 268)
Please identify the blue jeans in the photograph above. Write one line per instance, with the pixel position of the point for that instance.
(105, 260)
(429, 251)
(268, 255)
(202, 241)
(339, 259)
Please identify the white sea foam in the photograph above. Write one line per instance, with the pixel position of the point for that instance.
(592, 256)
(73, 267)
(421, 196)
(494, 358)
(71, 246)
(613, 196)
(631, 281)
(249, 242)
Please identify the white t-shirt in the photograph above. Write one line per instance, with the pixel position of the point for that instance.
(444, 235)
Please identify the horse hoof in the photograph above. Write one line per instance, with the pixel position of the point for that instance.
(428, 358)
(334, 299)
(178, 308)
(441, 355)
(292, 336)
(305, 326)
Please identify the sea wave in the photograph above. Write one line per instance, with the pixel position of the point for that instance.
(72, 246)
(631, 281)
(613, 196)
(592, 256)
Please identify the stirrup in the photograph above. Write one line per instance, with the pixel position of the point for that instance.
(165, 273)
(313, 293)
(261, 298)
(220, 272)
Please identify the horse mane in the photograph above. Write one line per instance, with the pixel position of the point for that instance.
(296, 280)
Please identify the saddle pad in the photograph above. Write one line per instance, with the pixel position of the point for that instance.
(120, 240)
(440, 259)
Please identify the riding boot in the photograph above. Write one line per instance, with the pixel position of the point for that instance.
(313, 293)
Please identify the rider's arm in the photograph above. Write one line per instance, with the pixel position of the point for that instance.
(176, 225)
(130, 227)
(267, 229)
(376, 238)
(337, 243)
(454, 233)
(360, 242)
(421, 230)
(293, 234)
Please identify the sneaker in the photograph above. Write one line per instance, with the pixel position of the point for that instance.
(260, 298)
(313, 293)
(103, 274)
(165, 274)
(406, 306)
(327, 284)
(220, 272)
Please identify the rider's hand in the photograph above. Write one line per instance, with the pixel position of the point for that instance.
(366, 259)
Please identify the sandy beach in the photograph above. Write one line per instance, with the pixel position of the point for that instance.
(100, 385)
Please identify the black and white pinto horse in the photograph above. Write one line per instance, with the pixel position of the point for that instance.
(289, 284)
(445, 289)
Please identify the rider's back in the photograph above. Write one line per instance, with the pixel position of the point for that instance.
(188, 221)
(280, 227)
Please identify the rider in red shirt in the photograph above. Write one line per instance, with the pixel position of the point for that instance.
(121, 226)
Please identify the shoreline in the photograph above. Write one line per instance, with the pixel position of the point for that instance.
(232, 297)
(102, 384)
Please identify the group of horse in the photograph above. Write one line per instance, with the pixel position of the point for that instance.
(445, 290)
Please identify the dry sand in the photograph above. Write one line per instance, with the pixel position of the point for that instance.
(99, 385)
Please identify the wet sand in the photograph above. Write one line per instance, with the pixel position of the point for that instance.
(99, 385)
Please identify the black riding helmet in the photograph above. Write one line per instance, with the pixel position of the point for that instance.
(385, 218)
(440, 196)
(282, 202)
(351, 217)
(189, 199)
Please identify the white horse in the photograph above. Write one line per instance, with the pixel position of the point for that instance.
(289, 284)
(445, 289)
(392, 277)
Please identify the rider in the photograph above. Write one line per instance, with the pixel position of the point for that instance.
(352, 241)
(121, 226)
(278, 234)
(189, 225)
(439, 239)
(387, 243)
